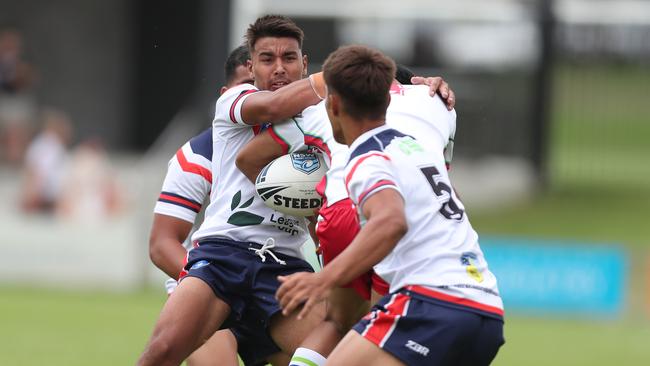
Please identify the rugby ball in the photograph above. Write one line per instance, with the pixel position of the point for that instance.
(288, 183)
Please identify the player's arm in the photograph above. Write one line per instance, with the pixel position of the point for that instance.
(277, 140)
(186, 186)
(265, 106)
(385, 226)
(261, 150)
(166, 243)
(437, 85)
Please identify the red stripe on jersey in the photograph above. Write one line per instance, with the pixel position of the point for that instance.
(192, 167)
(283, 144)
(319, 143)
(456, 300)
(234, 104)
(181, 201)
(382, 326)
(381, 183)
(361, 159)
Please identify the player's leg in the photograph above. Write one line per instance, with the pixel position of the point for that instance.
(355, 350)
(279, 359)
(218, 350)
(344, 308)
(288, 332)
(190, 316)
(337, 227)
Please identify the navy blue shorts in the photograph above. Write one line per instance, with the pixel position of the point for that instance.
(420, 330)
(239, 277)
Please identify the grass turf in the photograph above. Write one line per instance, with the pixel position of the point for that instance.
(65, 328)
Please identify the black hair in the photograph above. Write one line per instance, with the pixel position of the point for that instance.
(403, 74)
(237, 57)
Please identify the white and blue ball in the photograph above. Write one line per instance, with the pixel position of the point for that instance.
(288, 183)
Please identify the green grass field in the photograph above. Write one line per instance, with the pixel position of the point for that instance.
(42, 327)
(599, 191)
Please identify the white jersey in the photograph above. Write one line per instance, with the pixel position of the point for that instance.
(235, 211)
(312, 130)
(414, 112)
(189, 179)
(440, 249)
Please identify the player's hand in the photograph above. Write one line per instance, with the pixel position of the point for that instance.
(301, 288)
(437, 85)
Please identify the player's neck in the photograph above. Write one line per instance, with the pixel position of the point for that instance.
(355, 128)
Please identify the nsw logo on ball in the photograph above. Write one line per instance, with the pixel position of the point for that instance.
(305, 162)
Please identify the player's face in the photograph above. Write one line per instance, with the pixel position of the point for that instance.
(242, 75)
(276, 62)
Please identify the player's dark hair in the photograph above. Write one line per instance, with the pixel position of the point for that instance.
(273, 26)
(237, 57)
(403, 74)
(362, 77)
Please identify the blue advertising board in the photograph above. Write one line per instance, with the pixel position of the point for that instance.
(558, 277)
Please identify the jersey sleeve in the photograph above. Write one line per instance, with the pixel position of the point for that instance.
(186, 186)
(288, 135)
(368, 174)
(229, 105)
(310, 129)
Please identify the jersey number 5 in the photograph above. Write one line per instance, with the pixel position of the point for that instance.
(450, 208)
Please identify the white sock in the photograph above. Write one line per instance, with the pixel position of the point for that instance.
(307, 357)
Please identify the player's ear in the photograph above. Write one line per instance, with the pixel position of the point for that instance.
(305, 62)
(249, 66)
(335, 104)
(223, 89)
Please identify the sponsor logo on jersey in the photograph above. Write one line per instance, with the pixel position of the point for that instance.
(305, 162)
(467, 259)
(416, 347)
(243, 218)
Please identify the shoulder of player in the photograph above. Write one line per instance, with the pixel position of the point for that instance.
(374, 142)
(201, 144)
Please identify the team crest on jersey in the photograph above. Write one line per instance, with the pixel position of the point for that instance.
(305, 162)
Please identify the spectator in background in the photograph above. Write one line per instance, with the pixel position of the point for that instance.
(16, 103)
(45, 163)
(89, 190)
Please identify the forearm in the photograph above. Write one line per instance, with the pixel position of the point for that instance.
(168, 256)
(250, 167)
(373, 243)
(276, 106)
(261, 150)
(166, 243)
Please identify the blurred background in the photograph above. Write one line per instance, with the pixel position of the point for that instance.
(551, 157)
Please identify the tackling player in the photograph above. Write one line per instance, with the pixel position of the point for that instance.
(444, 307)
(337, 220)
